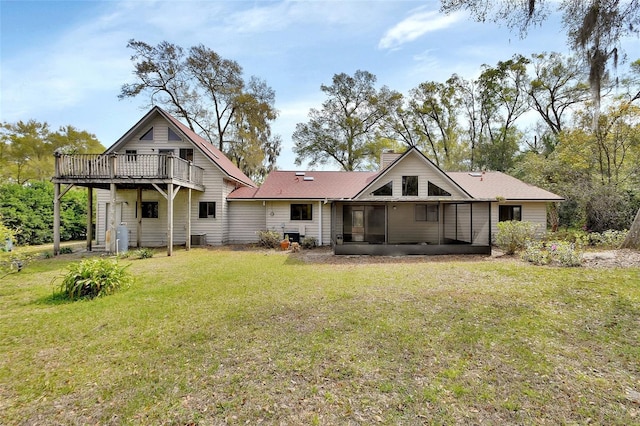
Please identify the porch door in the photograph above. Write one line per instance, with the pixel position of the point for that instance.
(162, 162)
(364, 224)
(357, 224)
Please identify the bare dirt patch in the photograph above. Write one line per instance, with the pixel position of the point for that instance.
(592, 259)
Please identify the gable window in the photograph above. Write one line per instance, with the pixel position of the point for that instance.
(149, 210)
(173, 136)
(509, 213)
(132, 154)
(147, 136)
(301, 212)
(409, 185)
(186, 154)
(207, 210)
(426, 213)
(436, 191)
(386, 190)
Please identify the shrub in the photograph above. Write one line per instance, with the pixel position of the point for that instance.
(513, 235)
(607, 239)
(143, 253)
(66, 250)
(309, 242)
(94, 278)
(560, 253)
(269, 239)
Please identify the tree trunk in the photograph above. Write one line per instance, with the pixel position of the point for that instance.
(633, 237)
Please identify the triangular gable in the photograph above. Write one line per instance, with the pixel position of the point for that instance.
(386, 175)
(207, 149)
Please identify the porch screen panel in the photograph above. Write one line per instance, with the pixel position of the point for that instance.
(374, 224)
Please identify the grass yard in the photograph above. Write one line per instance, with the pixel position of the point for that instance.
(228, 337)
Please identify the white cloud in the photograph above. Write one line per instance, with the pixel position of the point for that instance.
(415, 26)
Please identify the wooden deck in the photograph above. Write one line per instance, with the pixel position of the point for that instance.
(126, 170)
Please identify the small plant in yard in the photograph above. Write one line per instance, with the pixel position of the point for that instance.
(560, 253)
(94, 278)
(513, 235)
(269, 239)
(309, 242)
(143, 253)
(66, 250)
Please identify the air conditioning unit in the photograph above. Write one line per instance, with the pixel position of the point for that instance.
(199, 240)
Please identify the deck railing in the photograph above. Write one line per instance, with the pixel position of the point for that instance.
(140, 166)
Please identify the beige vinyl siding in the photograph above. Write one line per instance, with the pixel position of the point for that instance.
(278, 214)
(414, 165)
(403, 227)
(154, 231)
(534, 212)
(245, 219)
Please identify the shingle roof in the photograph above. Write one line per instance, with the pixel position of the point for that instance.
(307, 185)
(489, 185)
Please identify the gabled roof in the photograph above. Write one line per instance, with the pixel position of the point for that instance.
(412, 151)
(341, 185)
(307, 185)
(207, 149)
(490, 185)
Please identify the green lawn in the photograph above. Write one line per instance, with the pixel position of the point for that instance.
(220, 336)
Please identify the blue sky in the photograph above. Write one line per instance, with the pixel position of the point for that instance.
(64, 62)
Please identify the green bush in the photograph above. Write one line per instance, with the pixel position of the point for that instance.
(94, 278)
(513, 235)
(309, 242)
(66, 250)
(607, 239)
(143, 253)
(560, 253)
(269, 239)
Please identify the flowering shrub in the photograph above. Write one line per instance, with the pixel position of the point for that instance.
(560, 253)
(513, 235)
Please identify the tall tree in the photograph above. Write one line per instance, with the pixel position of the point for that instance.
(344, 130)
(211, 95)
(27, 148)
(558, 84)
(594, 28)
(434, 110)
(503, 100)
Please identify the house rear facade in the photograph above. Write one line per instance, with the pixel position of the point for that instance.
(162, 185)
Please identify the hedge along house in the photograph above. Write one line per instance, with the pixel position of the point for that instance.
(162, 184)
(159, 185)
(410, 206)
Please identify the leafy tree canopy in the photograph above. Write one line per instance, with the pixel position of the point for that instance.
(27, 148)
(344, 130)
(212, 96)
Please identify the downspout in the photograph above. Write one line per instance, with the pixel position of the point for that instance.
(320, 224)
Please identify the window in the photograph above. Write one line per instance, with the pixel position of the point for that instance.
(301, 212)
(173, 136)
(387, 189)
(509, 213)
(132, 154)
(426, 213)
(186, 154)
(165, 151)
(436, 191)
(147, 136)
(149, 210)
(409, 185)
(207, 210)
